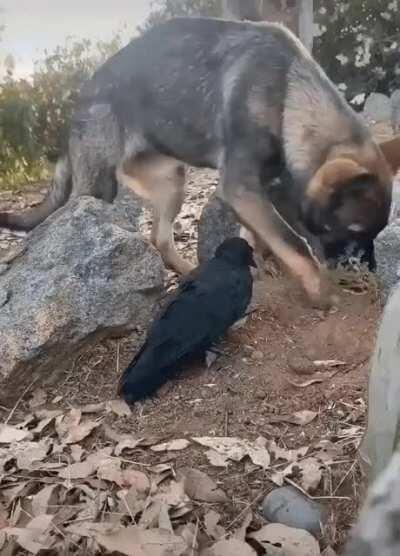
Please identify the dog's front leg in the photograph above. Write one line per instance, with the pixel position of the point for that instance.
(242, 190)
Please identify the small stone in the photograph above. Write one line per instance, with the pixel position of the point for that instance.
(260, 395)
(329, 552)
(300, 365)
(289, 507)
(257, 355)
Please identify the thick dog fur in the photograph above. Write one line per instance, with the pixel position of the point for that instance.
(244, 98)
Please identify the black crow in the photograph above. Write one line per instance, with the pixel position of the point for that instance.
(208, 302)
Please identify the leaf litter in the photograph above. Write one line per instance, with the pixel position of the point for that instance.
(60, 487)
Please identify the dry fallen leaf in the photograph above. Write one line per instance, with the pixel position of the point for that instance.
(43, 499)
(329, 363)
(299, 418)
(303, 417)
(199, 486)
(76, 433)
(214, 531)
(38, 398)
(126, 443)
(287, 455)
(134, 541)
(10, 434)
(291, 542)
(236, 449)
(329, 552)
(241, 532)
(76, 452)
(65, 422)
(33, 537)
(172, 446)
(232, 547)
(164, 521)
(83, 470)
(307, 472)
(119, 407)
(29, 453)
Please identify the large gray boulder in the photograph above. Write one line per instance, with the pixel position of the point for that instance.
(383, 431)
(85, 273)
(217, 223)
(395, 118)
(387, 253)
(387, 248)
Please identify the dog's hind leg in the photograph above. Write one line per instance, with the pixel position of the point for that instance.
(160, 180)
(95, 147)
(242, 190)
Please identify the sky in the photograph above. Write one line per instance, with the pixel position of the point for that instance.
(35, 25)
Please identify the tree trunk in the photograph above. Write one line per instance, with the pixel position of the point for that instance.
(306, 23)
(299, 18)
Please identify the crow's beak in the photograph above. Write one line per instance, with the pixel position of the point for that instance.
(252, 261)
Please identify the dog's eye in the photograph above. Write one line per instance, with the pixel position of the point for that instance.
(355, 228)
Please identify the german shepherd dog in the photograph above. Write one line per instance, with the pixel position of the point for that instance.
(246, 99)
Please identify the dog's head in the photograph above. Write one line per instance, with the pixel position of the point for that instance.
(347, 201)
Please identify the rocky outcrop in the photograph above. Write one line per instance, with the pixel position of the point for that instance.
(83, 274)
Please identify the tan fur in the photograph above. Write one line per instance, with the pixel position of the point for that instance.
(391, 151)
(332, 175)
(159, 179)
(259, 216)
(312, 122)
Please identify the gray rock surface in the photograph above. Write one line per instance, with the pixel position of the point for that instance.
(217, 223)
(387, 253)
(395, 118)
(84, 273)
(289, 507)
(378, 108)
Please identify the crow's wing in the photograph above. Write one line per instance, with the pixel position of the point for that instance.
(201, 312)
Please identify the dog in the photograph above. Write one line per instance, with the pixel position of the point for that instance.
(206, 304)
(345, 253)
(244, 98)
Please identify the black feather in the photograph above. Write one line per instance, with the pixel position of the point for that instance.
(211, 300)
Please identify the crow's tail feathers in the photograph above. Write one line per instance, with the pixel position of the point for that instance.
(141, 379)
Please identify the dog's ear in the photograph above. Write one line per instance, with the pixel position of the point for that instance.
(391, 151)
(330, 177)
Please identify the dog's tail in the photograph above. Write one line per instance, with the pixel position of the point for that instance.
(56, 197)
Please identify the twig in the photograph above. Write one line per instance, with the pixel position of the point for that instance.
(117, 362)
(20, 400)
(247, 508)
(128, 508)
(298, 487)
(345, 476)
(196, 532)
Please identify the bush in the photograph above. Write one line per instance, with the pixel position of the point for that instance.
(358, 45)
(35, 114)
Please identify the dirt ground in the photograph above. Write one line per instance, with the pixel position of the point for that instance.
(285, 358)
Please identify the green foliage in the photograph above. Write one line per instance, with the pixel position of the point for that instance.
(358, 45)
(165, 9)
(35, 114)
